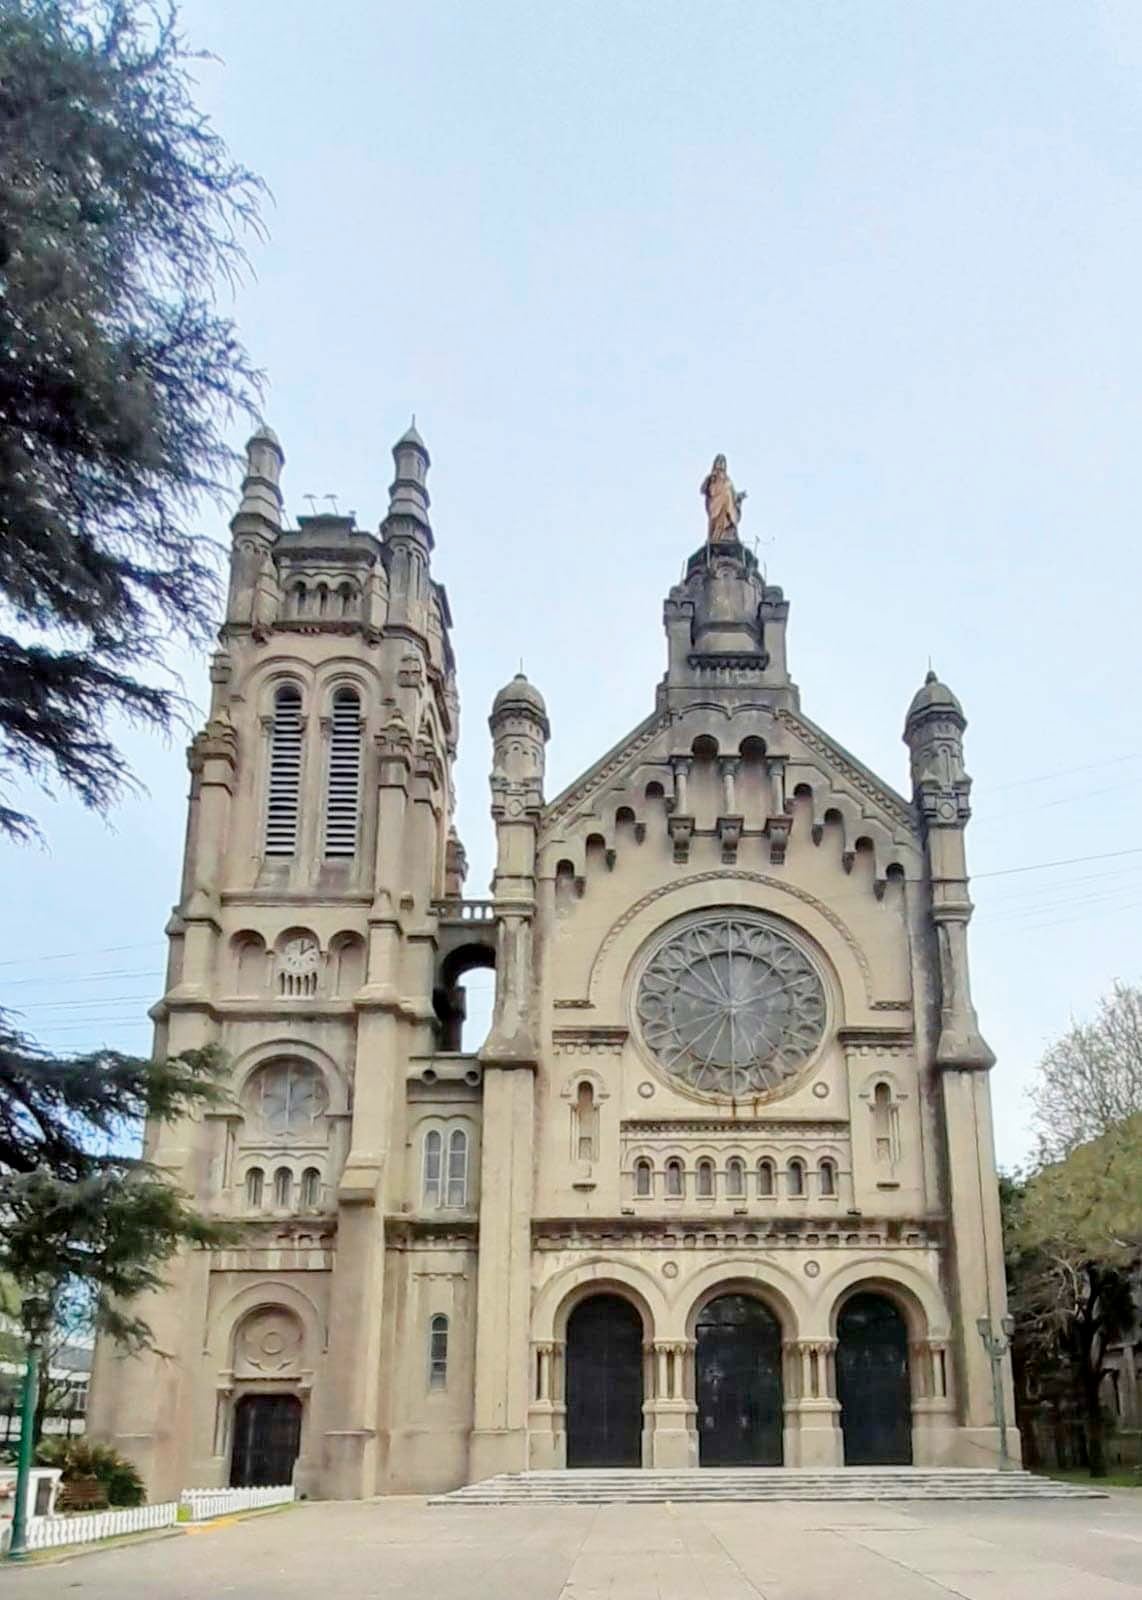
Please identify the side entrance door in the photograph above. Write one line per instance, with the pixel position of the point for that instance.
(267, 1437)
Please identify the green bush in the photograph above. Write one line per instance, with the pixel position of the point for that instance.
(80, 1458)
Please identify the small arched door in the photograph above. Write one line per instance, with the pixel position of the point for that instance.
(873, 1384)
(267, 1438)
(604, 1384)
(739, 1393)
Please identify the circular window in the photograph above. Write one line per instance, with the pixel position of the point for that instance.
(287, 1096)
(728, 1005)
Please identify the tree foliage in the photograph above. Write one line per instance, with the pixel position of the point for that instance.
(77, 1214)
(121, 212)
(1074, 1238)
(1090, 1080)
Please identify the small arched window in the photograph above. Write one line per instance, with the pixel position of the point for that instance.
(643, 1179)
(283, 1188)
(343, 780)
(735, 1179)
(255, 1187)
(705, 1184)
(430, 1180)
(674, 1180)
(795, 1178)
(438, 1353)
(586, 1120)
(884, 1129)
(457, 1168)
(765, 1179)
(827, 1180)
(310, 1189)
(284, 787)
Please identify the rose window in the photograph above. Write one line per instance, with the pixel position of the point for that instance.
(730, 1006)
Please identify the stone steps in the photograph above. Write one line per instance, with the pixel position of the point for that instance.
(712, 1484)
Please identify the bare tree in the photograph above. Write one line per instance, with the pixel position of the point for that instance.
(1090, 1080)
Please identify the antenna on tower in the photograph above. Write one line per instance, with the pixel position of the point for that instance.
(332, 498)
(312, 498)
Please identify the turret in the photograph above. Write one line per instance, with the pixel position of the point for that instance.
(407, 535)
(255, 527)
(933, 731)
(408, 492)
(520, 731)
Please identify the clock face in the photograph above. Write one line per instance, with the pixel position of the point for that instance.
(290, 1097)
(729, 1006)
(300, 956)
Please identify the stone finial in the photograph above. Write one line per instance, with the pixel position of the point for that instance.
(261, 486)
(519, 696)
(408, 493)
(933, 732)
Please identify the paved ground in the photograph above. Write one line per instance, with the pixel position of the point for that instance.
(402, 1549)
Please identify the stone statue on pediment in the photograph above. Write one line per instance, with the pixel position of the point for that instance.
(723, 503)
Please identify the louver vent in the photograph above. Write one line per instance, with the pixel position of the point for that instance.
(344, 785)
(285, 774)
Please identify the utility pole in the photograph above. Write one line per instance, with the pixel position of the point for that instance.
(36, 1315)
(997, 1345)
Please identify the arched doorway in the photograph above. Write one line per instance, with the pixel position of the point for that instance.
(873, 1384)
(267, 1437)
(604, 1384)
(739, 1393)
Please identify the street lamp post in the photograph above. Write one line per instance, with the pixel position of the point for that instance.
(36, 1315)
(997, 1345)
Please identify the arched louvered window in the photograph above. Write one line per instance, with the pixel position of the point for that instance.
(255, 1183)
(643, 1179)
(795, 1177)
(674, 1180)
(827, 1180)
(705, 1180)
(343, 780)
(438, 1353)
(735, 1179)
(285, 772)
(765, 1178)
(310, 1189)
(283, 1188)
(430, 1182)
(457, 1192)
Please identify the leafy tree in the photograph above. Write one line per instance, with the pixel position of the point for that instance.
(1074, 1238)
(1090, 1080)
(121, 210)
(78, 1216)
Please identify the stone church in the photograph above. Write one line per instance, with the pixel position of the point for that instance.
(718, 1188)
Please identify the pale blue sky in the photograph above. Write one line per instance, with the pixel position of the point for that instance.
(886, 256)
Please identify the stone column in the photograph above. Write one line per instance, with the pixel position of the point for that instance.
(812, 1411)
(509, 1059)
(672, 1437)
(942, 789)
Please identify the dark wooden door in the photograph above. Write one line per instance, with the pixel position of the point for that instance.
(739, 1392)
(872, 1383)
(267, 1437)
(604, 1384)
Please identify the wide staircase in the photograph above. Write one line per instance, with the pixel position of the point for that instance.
(710, 1484)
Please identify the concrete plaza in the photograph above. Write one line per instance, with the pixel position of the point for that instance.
(399, 1548)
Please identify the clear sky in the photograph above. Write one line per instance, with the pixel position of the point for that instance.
(885, 256)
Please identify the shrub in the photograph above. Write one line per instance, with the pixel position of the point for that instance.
(80, 1458)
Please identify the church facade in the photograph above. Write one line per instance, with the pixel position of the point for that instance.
(718, 1188)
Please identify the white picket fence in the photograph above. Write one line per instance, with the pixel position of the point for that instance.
(44, 1533)
(203, 1503)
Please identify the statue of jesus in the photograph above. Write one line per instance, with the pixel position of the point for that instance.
(723, 503)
